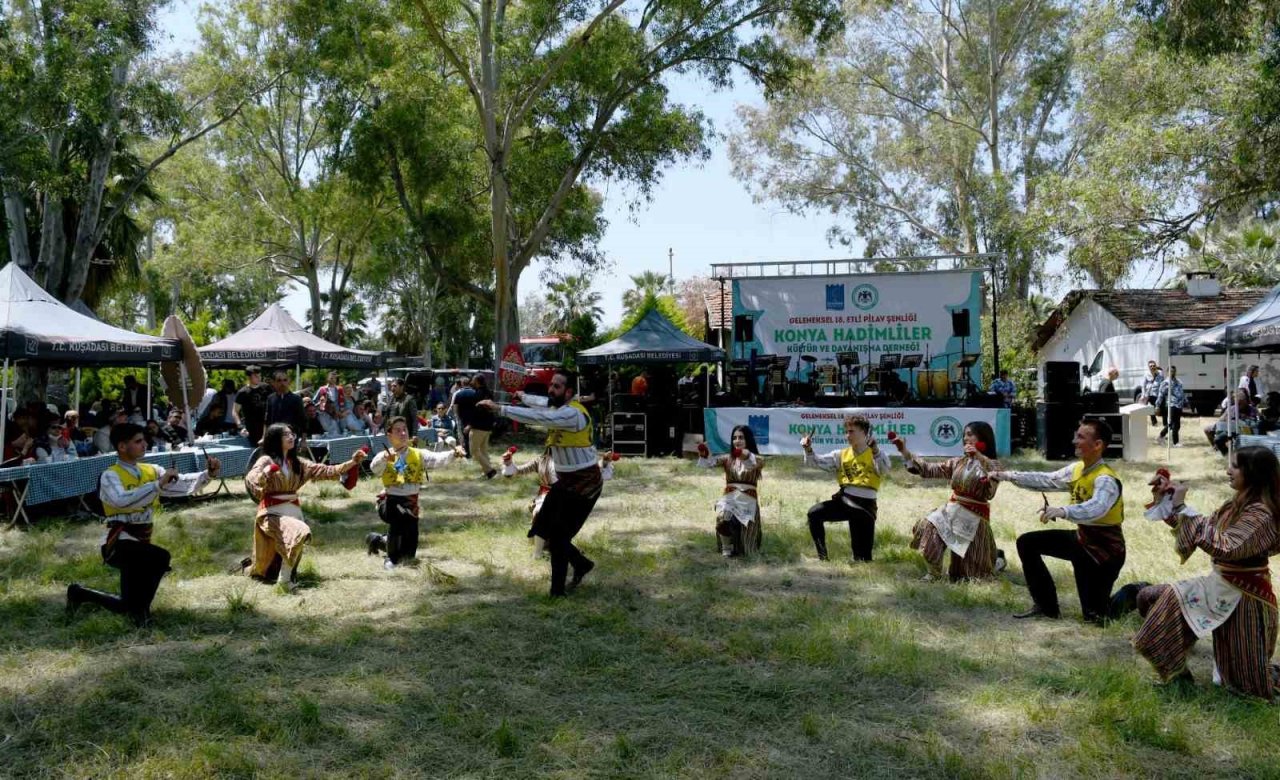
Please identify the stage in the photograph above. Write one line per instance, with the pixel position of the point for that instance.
(933, 431)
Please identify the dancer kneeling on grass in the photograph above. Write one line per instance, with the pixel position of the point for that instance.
(738, 531)
(544, 466)
(859, 469)
(1095, 548)
(279, 531)
(403, 470)
(1234, 603)
(578, 481)
(130, 492)
(963, 524)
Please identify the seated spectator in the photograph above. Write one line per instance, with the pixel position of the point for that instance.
(155, 442)
(21, 443)
(352, 421)
(444, 427)
(55, 446)
(1237, 410)
(314, 426)
(1269, 413)
(102, 439)
(375, 420)
(328, 417)
(173, 432)
(79, 439)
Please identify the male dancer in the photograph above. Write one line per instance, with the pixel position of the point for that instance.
(859, 469)
(578, 480)
(130, 493)
(1096, 548)
(401, 483)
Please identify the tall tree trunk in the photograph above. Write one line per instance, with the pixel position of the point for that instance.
(88, 231)
(15, 212)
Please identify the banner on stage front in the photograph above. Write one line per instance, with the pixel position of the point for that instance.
(778, 430)
(870, 315)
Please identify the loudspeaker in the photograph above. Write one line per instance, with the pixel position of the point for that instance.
(1061, 381)
(1115, 449)
(744, 328)
(960, 324)
(1056, 424)
(1100, 403)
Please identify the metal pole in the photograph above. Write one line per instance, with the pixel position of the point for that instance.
(297, 378)
(4, 400)
(149, 413)
(186, 401)
(995, 324)
(77, 390)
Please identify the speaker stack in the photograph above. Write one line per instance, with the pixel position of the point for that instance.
(1058, 416)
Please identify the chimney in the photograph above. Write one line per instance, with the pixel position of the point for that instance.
(1203, 284)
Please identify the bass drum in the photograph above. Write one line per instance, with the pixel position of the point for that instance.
(253, 458)
(932, 384)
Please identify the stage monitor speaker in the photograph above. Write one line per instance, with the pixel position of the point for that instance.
(960, 324)
(743, 328)
(1061, 380)
(1100, 403)
(1055, 426)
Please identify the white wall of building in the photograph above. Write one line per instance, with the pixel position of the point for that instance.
(1079, 336)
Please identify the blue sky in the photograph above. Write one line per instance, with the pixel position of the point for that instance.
(701, 213)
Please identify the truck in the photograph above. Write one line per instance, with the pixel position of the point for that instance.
(1205, 377)
(542, 356)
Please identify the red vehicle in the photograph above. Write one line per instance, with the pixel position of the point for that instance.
(542, 356)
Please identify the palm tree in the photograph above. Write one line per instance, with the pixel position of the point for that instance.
(570, 297)
(646, 284)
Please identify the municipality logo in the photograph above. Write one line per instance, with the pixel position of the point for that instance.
(835, 297)
(946, 431)
(759, 425)
(865, 296)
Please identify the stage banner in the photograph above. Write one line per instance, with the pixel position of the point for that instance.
(871, 315)
(927, 431)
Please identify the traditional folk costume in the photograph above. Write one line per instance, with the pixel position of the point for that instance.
(859, 475)
(1234, 603)
(403, 472)
(280, 533)
(963, 524)
(738, 529)
(576, 488)
(130, 495)
(545, 468)
(1096, 548)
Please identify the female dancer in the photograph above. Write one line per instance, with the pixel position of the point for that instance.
(1234, 603)
(963, 524)
(280, 532)
(738, 531)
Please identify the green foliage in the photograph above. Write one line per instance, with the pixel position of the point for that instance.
(666, 305)
(1244, 253)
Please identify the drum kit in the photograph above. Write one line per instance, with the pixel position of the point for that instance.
(846, 375)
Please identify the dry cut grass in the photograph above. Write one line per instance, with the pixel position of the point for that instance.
(670, 662)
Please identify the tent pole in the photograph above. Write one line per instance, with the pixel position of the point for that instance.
(77, 407)
(297, 377)
(4, 400)
(150, 413)
(186, 402)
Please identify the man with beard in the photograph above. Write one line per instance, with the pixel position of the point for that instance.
(570, 443)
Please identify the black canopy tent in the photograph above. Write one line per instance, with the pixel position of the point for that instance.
(276, 339)
(38, 329)
(654, 339)
(1214, 341)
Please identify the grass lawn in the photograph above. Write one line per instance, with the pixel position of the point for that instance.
(669, 662)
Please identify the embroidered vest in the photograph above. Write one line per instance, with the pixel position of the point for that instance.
(858, 470)
(147, 473)
(414, 472)
(583, 438)
(1082, 490)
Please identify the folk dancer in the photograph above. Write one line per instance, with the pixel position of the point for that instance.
(963, 524)
(859, 470)
(738, 530)
(545, 468)
(1234, 603)
(130, 492)
(1096, 548)
(573, 495)
(280, 532)
(403, 470)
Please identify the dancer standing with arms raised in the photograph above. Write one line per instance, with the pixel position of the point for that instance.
(578, 481)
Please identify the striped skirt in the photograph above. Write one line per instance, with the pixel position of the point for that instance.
(1242, 646)
(741, 540)
(979, 561)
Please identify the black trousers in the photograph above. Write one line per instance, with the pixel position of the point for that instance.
(1093, 580)
(562, 516)
(401, 539)
(861, 520)
(1174, 424)
(142, 565)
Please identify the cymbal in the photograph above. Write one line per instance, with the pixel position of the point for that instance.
(809, 358)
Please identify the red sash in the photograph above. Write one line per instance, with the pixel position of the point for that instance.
(980, 508)
(1253, 581)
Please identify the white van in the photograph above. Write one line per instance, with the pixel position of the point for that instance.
(1203, 376)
